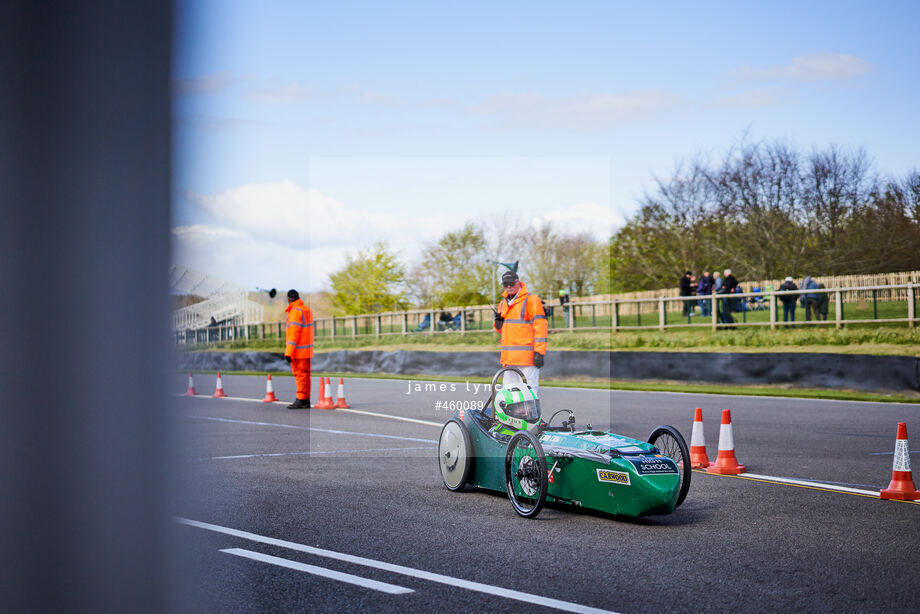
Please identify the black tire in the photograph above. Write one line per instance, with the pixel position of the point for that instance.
(671, 443)
(455, 455)
(526, 479)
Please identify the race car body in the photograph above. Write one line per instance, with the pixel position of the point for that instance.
(588, 468)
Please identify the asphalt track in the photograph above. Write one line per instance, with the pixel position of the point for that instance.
(276, 502)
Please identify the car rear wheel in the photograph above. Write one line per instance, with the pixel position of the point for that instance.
(455, 454)
(526, 479)
(671, 443)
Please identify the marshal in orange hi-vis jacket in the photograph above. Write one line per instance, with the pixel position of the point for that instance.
(299, 347)
(524, 329)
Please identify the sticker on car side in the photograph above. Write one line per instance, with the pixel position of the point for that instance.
(653, 466)
(614, 477)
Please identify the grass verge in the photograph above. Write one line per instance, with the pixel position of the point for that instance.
(861, 339)
(656, 386)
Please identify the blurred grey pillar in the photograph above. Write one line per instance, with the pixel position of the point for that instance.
(85, 192)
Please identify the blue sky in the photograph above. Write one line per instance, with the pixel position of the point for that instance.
(305, 131)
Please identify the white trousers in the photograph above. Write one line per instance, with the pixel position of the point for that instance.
(531, 373)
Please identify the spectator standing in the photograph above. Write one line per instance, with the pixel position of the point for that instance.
(704, 288)
(824, 300)
(788, 300)
(522, 323)
(729, 284)
(298, 349)
(686, 289)
(810, 300)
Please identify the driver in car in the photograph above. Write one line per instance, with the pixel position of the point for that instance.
(517, 408)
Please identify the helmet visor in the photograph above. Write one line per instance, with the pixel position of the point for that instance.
(527, 410)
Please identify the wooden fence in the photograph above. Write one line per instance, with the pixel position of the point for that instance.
(885, 304)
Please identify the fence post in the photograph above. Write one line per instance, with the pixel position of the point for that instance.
(405, 323)
(377, 327)
(772, 310)
(614, 314)
(838, 308)
(462, 320)
(661, 316)
(910, 305)
(715, 313)
(354, 327)
(571, 308)
(431, 323)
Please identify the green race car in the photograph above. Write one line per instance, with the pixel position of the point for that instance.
(506, 446)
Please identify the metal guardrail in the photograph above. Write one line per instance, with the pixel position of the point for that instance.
(746, 309)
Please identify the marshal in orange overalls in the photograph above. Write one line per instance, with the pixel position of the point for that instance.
(299, 345)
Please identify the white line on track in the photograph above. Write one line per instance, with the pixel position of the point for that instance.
(495, 591)
(308, 453)
(822, 485)
(311, 428)
(761, 396)
(378, 415)
(320, 571)
(413, 381)
(339, 409)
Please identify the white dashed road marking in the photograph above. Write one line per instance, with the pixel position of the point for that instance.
(320, 571)
(488, 589)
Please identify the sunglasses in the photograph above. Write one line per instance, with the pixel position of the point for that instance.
(509, 284)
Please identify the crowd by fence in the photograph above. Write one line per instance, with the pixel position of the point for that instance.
(886, 304)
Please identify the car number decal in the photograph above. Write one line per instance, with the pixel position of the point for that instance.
(615, 477)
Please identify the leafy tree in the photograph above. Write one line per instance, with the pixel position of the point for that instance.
(767, 211)
(454, 271)
(371, 281)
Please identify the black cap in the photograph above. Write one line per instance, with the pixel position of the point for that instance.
(292, 294)
(509, 277)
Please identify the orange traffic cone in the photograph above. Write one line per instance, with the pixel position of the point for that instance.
(698, 458)
(219, 392)
(902, 481)
(726, 463)
(269, 390)
(323, 401)
(191, 386)
(341, 403)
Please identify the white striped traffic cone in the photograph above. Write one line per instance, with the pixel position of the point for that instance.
(269, 390)
(698, 458)
(341, 403)
(219, 391)
(323, 400)
(902, 481)
(726, 463)
(191, 386)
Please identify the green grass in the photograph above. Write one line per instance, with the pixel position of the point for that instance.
(659, 386)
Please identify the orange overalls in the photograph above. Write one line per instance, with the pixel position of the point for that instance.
(299, 345)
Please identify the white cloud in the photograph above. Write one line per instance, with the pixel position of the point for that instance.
(272, 93)
(597, 220)
(752, 99)
(255, 223)
(250, 261)
(205, 84)
(808, 68)
(581, 112)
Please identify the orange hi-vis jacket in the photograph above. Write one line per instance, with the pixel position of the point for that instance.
(524, 330)
(299, 331)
